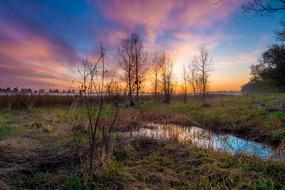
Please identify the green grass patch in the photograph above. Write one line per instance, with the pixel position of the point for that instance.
(60, 143)
(75, 183)
(3, 113)
(36, 180)
(7, 131)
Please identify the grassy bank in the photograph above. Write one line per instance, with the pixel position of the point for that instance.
(259, 117)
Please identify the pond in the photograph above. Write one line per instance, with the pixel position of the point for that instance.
(205, 139)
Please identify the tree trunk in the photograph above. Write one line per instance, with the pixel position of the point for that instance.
(130, 95)
(155, 87)
(130, 100)
(167, 99)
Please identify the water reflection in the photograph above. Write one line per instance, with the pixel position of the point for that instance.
(205, 139)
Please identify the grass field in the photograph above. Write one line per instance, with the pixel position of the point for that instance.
(39, 151)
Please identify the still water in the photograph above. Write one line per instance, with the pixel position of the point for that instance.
(205, 139)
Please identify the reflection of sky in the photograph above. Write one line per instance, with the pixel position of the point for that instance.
(41, 41)
(204, 139)
(234, 145)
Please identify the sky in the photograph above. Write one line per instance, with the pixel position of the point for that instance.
(42, 42)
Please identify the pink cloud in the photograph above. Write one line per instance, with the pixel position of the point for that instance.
(204, 13)
(130, 13)
(158, 16)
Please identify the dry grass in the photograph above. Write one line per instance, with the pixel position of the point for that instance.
(152, 164)
(22, 157)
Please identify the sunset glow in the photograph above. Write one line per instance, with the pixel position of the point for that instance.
(41, 42)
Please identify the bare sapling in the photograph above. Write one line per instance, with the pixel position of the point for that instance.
(92, 93)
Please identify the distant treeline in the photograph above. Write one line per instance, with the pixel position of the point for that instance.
(9, 90)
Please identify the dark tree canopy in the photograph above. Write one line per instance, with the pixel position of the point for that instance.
(270, 70)
(272, 64)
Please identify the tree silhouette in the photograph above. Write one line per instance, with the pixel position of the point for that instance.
(133, 63)
(166, 76)
(203, 64)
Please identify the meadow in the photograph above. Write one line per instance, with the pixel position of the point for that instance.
(43, 144)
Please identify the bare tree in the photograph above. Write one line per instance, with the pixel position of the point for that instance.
(134, 64)
(140, 62)
(265, 7)
(193, 76)
(126, 52)
(166, 77)
(155, 71)
(203, 63)
(185, 84)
